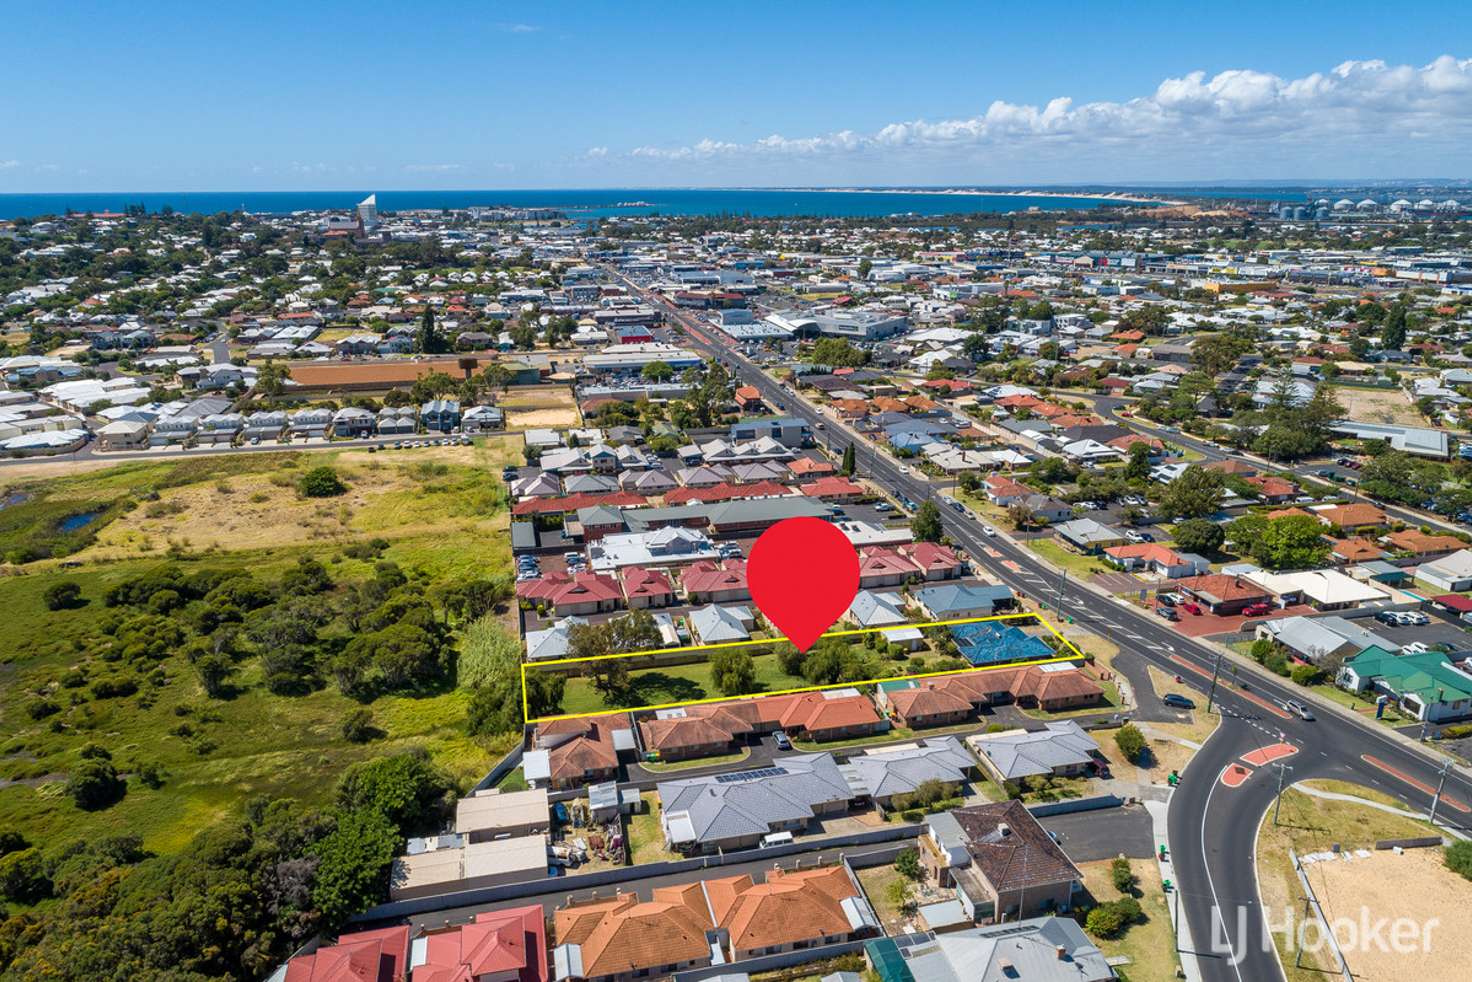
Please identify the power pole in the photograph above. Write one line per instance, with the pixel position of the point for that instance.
(1283, 770)
(1216, 668)
(1436, 798)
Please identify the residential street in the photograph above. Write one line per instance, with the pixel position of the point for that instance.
(1330, 746)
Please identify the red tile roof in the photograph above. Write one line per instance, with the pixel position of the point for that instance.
(641, 582)
(560, 588)
(833, 487)
(572, 502)
(368, 956)
(708, 577)
(511, 942)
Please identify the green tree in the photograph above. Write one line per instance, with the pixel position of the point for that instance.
(321, 482)
(908, 865)
(1199, 535)
(94, 784)
(428, 340)
(1121, 875)
(1195, 494)
(1131, 741)
(733, 671)
(1137, 468)
(405, 788)
(1393, 331)
(846, 468)
(353, 865)
(61, 596)
(837, 353)
(925, 525)
(657, 371)
(1458, 858)
(23, 876)
(1292, 542)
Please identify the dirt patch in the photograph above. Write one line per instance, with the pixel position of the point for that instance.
(1363, 890)
(531, 419)
(1378, 406)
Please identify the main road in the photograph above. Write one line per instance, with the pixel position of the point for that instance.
(1212, 826)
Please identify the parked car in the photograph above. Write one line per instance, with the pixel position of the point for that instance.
(1177, 701)
(988, 531)
(1257, 609)
(1414, 618)
(1134, 536)
(1299, 709)
(883, 506)
(1192, 607)
(1169, 613)
(1170, 599)
(781, 740)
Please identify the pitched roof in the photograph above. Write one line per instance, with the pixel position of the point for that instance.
(801, 905)
(367, 956)
(495, 942)
(708, 577)
(623, 935)
(1023, 856)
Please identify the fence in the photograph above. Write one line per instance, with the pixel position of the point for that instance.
(586, 881)
(1312, 901)
(769, 963)
(504, 766)
(1070, 805)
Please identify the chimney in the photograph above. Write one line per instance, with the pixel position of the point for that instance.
(1004, 830)
(1061, 952)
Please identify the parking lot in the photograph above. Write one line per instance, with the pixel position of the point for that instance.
(1434, 633)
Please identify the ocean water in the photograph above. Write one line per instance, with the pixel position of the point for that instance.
(598, 203)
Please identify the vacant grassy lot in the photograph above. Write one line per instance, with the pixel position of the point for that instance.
(1309, 825)
(1378, 405)
(1077, 565)
(1148, 943)
(540, 406)
(646, 838)
(440, 515)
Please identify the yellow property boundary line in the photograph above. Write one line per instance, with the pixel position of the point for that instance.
(525, 714)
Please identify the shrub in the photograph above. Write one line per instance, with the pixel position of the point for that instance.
(61, 596)
(320, 482)
(1456, 732)
(23, 876)
(358, 727)
(1261, 648)
(1104, 921)
(1130, 740)
(1121, 875)
(1458, 858)
(907, 864)
(95, 784)
(1306, 674)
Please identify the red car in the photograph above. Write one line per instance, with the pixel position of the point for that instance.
(1191, 607)
(1257, 610)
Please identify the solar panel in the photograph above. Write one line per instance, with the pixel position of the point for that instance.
(756, 775)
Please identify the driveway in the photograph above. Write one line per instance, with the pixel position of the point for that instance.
(1104, 833)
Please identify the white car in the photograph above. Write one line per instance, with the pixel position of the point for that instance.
(987, 530)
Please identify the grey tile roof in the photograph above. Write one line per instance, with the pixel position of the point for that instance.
(746, 803)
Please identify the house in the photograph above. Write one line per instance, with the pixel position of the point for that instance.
(551, 642)
(832, 714)
(1416, 544)
(1451, 573)
(1003, 490)
(1004, 866)
(1324, 589)
(575, 593)
(623, 938)
(1152, 557)
(1089, 536)
(264, 425)
(569, 753)
(442, 864)
(1426, 686)
(715, 582)
(1043, 508)
(954, 601)
(1039, 949)
(1223, 594)
(919, 705)
(790, 431)
(808, 468)
(871, 609)
(888, 773)
(736, 809)
(309, 424)
(350, 422)
(660, 547)
(1061, 749)
(994, 643)
(834, 489)
(397, 421)
(646, 587)
(1355, 549)
(123, 434)
(714, 624)
(880, 566)
(935, 561)
(365, 956)
(1273, 490)
(1353, 516)
(703, 730)
(482, 419)
(800, 908)
(509, 945)
(1312, 639)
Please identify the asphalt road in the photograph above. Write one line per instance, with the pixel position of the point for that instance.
(1219, 831)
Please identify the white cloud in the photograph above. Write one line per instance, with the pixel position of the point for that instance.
(597, 151)
(1359, 108)
(8, 164)
(511, 28)
(431, 168)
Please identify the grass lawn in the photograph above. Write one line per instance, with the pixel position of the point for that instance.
(877, 881)
(515, 780)
(666, 766)
(646, 838)
(1076, 564)
(437, 514)
(1307, 825)
(1109, 701)
(1149, 943)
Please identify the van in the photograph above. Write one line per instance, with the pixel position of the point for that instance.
(776, 839)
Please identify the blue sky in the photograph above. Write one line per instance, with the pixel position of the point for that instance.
(313, 95)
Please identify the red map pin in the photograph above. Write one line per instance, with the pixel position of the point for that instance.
(803, 574)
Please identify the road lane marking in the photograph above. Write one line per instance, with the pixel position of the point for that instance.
(1422, 786)
(1267, 704)
(1266, 755)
